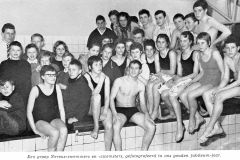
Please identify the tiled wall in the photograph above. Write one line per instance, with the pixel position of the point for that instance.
(132, 139)
(76, 44)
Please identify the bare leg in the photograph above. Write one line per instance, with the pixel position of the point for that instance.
(95, 112)
(117, 126)
(156, 111)
(108, 127)
(63, 133)
(139, 119)
(149, 90)
(165, 98)
(50, 131)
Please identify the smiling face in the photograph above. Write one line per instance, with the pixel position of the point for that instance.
(199, 12)
(134, 70)
(149, 51)
(107, 53)
(7, 89)
(15, 52)
(74, 71)
(231, 49)
(32, 54)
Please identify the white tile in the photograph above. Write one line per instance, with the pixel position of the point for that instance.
(159, 148)
(100, 138)
(86, 39)
(231, 138)
(225, 128)
(133, 149)
(20, 39)
(2, 147)
(113, 148)
(100, 146)
(167, 138)
(158, 139)
(231, 129)
(123, 143)
(75, 48)
(167, 127)
(189, 145)
(130, 132)
(81, 48)
(151, 148)
(27, 39)
(224, 120)
(237, 128)
(138, 149)
(68, 40)
(77, 140)
(88, 147)
(238, 137)
(167, 147)
(48, 47)
(77, 148)
(237, 118)
(29, 145)
(42, 150)
(174, 126)
(6, 146)
(48, 40)
(139, 142)
(81, 40)
(15, 146)
(139, 131)
(68, 149)
(41, 143)
(232, 119)
(69, 140)
(88, 139)
(75, 40)
(130, 143)
(176, 146)
(159, 128)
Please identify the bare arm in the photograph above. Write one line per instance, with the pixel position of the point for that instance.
(156, 62)
(100, 83)
(219, 60)
(144, 76)
(142, 99)
(179, 65)
(60, 103)
(174, 39)
(106, 93)
(114, 91)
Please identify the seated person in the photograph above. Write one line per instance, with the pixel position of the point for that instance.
(63, 76)
(110, 68)
(165, 65)
(46, 59)
(151, 30)
(120, 57)
(187, 69)
(128, 43)
(101, 31)
(77, 95)
(214, 98)
(94, 50)
(138, 36)
(45, 110)
(210, 75)
(12, 109)
(150, 51)
(124, 91)
(100, 86)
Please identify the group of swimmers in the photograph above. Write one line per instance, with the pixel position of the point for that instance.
(123, 78)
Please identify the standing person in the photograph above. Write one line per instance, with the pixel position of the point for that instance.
(8, 36)
(215, 97)
(45, 110)
(100, 86)
(163, 24)
(59, 48)
(124, 91)
(120, 57)
(151, 30)
(100, 31)
(126, 26)
(17, 70)
(210, 76)
(209, 24)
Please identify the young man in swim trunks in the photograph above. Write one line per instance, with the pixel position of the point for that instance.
(209, 24)
(125, 89)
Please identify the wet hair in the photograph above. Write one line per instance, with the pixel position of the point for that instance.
(5, 80)
(164, 36)
(77, 63)
(8, 26)
(99, 18)
(31, 46)
(47, 68)
(45, 54)
(37, 35)
(134, 19)
(58, 43)
(138, 30)
(189, 35)
(205, 36)
(201, 3)
(113, 12)
(192, 16)
(178, 15)
(233, 39)
(126, 15)
(66, 54)
(160, 12)
(15, 43)
(93, 59)
(144, 11)
(149, 42)
(136, 62)
(136, 45)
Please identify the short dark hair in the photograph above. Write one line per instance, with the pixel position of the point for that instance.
(160, 12)
(136, 62)
(95, 43)
(189, 35)
(93, 59)
(37, 35)
(113, 12)
(201, 3)
(31, 45)
(233, 39)
(8, 26)
(178, 15)
(46, 68)
(58, 43)
(134, 19)
(15, 43)
(149, 42)
(4, 80)
(164, 36)
(66, 54)
(144, 11)
(191, 15)
(138, 30)
(77, 63)
(136, 45)
(108, 45)
(100, 17)
(205, 36)
(126, 15)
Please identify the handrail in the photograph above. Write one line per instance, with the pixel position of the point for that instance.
(231, 22)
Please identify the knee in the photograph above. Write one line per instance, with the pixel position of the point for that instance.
(63, 131)
(190, 97)
(182, 97)
(150, 127)
(96, 98)
(54, 133)
(172, 98)
(117, 126)
(165, 95)
(206, 95)
(219, 98)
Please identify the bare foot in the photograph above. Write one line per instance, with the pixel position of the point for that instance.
(199, 123)
(191, 125)
(170, 116)
(103, 116)
(204, 137)
(94, 133)
(215, 131)
(154, 115)
(180, 134)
